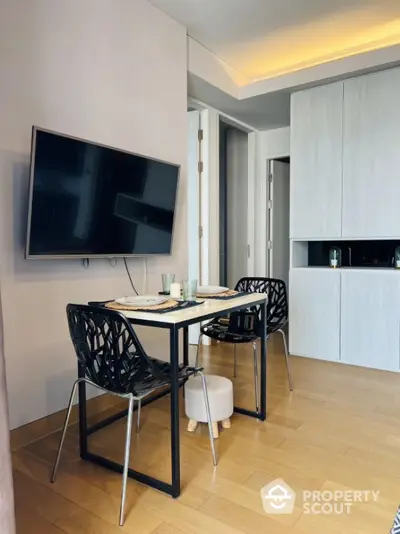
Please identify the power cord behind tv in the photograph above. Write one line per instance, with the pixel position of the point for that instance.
(130, 277)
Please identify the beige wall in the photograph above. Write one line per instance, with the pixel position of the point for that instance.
(112, 71)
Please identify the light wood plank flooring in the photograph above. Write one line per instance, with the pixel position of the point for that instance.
(339, 429)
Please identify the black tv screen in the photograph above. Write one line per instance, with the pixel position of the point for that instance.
(89, 200)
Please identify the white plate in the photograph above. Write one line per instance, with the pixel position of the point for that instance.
(141, 301)
(211, 290)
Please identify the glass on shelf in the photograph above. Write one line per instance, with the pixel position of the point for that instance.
(335, 257)
(397, 257)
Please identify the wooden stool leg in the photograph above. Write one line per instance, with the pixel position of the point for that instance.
(226, 423)
(215, 430)
(192, 425)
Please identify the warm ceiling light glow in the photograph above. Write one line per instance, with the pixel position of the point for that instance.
(316, 43)
(325, 59)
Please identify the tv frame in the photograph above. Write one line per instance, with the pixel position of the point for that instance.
(28, 256)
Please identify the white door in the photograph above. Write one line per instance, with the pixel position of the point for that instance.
(316, 162)
(279, 194)
(314, 313)
(371, 155)
(370, 322)
(194, 207)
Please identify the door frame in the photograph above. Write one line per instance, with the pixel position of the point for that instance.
(210, 189)
(270, 215)
(208, 266)
(268, 148)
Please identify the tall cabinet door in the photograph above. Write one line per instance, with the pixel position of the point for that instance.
(314, 313)
(316, 162)
(370, 319)
(371, 155)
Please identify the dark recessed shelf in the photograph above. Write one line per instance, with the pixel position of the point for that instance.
(361, 254)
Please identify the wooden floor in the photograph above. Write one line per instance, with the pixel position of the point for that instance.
(339, 429)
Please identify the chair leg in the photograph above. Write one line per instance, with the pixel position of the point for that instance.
(256, 391)
(210, 424)
(126, 460)
(139, 409)
(289, 372)
(234, 360)
(196, 363)
(64, 432)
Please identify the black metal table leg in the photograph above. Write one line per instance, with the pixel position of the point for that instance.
(175, 447)
(82, 414)
(185, 345)
(263, 403)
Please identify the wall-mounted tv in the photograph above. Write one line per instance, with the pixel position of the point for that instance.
(88, 200)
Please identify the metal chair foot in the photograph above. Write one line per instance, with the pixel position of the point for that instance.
(64, 432)
(126, 461)
(210, 423)
(288, 368)
(234, 361)
(196, 363)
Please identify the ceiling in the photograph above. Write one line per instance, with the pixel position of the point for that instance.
(263, 112)
(266, 38)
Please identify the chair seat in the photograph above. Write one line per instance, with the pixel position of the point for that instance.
(142, 380)
(220, 331)
(274, 326)
(150, 383)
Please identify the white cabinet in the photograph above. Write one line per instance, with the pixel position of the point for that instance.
(314, 313)
(316, 162)
(371, 155)
(370, 319)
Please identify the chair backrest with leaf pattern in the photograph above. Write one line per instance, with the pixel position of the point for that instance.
(109, 350)
(277, 304)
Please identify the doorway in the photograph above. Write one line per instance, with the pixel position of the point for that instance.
(233, 204)
(206, 235)
(278, 202)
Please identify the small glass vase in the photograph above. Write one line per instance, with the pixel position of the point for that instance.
(167, 280)
(335, 257)
(189, 289)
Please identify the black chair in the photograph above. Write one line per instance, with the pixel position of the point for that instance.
(115, 362)
(245, 327)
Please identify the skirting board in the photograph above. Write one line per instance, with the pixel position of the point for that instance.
(104, 404)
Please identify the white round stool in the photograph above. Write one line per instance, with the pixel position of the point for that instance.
(220, 397)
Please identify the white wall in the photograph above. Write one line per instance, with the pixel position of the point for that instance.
(211, 68)
(269, 144)
(114, 72)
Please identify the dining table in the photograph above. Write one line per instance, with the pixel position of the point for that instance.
(176, 321)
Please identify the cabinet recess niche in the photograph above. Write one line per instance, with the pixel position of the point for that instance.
(316, 162)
